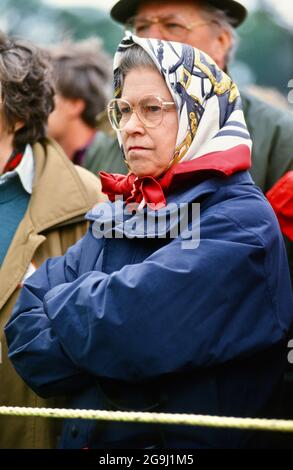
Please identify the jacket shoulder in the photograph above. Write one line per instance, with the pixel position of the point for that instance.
(83, 187)
(277, 117)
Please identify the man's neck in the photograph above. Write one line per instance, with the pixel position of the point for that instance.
(77, 137)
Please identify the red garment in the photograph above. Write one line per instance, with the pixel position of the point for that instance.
(153, 190)
(281, 199)
(13, 162)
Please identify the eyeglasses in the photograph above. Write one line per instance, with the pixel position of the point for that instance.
(171, 27)
(149, 109)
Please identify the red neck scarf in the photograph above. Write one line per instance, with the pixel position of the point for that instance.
(154, 191)
(13, 161)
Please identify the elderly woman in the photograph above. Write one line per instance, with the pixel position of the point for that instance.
(137, 317)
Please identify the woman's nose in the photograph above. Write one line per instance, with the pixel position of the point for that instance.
(134, 124)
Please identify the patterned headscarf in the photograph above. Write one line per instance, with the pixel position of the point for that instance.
(212, 133)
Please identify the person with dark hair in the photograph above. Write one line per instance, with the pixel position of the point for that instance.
(162, 306)
(43, 199)
(82, 74)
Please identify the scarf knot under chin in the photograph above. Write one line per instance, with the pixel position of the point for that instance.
(154, 191)
(133, 189)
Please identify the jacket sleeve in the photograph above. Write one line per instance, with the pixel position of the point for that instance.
(178, 309)
(271, 130)
(43, 362)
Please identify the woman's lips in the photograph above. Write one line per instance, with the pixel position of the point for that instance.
(134, 152)
(136, 147)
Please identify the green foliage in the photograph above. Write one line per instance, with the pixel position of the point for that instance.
(266, 47)
(80, 23)
(45, 24)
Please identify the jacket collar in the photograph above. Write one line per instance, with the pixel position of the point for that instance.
(115, 217)
(57, 197)
(25, 171)
(58, 193)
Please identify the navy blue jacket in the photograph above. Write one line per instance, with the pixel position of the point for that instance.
(142, 324)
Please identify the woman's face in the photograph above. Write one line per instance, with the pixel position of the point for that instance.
(148, 151)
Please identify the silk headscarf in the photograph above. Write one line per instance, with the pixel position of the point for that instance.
(212, 134)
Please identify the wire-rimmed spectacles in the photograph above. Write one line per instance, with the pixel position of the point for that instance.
(171, 26)
(149, 109)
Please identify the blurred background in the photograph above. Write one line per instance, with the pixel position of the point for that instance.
(264, 58)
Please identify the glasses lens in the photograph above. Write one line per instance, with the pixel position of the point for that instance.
(149, 109)
(140, 25)
(173, 28)
(142, 28)
(119, 112)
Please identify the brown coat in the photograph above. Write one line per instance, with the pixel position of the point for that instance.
(61, 195)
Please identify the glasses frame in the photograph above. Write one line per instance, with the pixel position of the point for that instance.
(130, 25)
(164, 107)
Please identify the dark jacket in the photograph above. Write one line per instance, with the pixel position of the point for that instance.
(271, 131)
(143, 324)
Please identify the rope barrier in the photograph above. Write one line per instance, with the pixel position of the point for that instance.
(158, 418)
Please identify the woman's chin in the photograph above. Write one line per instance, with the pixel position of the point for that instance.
(142, 170)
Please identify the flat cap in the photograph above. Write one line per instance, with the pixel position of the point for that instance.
(125, 9)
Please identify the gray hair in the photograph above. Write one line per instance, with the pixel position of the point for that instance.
(135, 57)
(226, 22)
